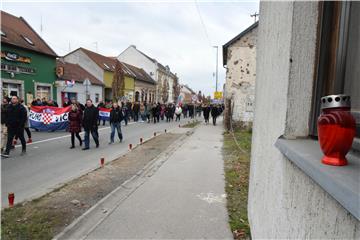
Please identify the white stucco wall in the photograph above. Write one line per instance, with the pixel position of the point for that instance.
(241, 76)
(133, 57)
(80, 58)
(283, 201)
(80, 89)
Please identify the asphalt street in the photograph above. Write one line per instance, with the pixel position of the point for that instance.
(49, 162)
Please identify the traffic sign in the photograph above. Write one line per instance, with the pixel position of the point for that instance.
(194, 98)
(218, 95)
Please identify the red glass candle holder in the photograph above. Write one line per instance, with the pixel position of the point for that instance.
(336, 129)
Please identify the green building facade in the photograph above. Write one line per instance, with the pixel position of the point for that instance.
(27, 62)
(27, 74)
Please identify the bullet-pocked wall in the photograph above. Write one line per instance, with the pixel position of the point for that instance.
(241, 76)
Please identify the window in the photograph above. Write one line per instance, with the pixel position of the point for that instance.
(338, 57)
(106, 66)
(28, 40)
(43, 92)
(11, 89)
(97, 96)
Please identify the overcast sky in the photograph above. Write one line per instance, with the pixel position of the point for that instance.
(172, 33)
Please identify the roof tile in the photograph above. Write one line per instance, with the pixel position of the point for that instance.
(16, 30)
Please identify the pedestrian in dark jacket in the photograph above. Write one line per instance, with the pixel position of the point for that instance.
(158, 111)
(214, 113)
(191, 110)
(206, 110)
(4, 132)
(136, 110)
(125, 112)
(154, 111)
(89, 122)
(75, 118)
(116, 117)
(15, 122)
(168, 112)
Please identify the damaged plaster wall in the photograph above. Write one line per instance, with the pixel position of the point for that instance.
(241, 75)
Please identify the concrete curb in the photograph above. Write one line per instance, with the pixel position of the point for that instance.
(88, 221)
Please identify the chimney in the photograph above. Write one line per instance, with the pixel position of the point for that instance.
(133, 46)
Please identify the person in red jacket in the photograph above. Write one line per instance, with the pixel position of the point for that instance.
(75, 118)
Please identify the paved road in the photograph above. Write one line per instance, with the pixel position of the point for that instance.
(49, 162)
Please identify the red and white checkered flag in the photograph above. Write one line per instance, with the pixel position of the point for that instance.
(47, 116)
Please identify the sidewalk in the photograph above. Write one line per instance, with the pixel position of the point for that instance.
(184, 198)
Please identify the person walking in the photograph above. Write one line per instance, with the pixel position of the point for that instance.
(75, 118)
(191, 110)
(158, 110)
(154, 112)
(116, 117)
(125, 112)
(89, 122)
(147, 112)
(26, 126)
(15, 122)
(101, 104)
(142, 112)
(162, 111)
(184, 110)
(214, 113)
(168, 112)
(206, 113)
(178, 112)
(136, 110)
(4, 132)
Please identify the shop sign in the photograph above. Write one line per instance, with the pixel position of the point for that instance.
(15, 57)
(17, 69)
(218, 95)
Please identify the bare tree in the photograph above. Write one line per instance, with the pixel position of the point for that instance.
(165, 91)
(118, 83)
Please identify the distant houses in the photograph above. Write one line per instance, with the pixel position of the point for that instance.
(72, 80)
(239, 59)
(167, 82)
(30, 69)
(186, 94)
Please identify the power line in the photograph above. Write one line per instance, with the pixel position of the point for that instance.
(202, 23)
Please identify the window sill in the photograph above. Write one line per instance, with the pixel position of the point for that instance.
(342, 183)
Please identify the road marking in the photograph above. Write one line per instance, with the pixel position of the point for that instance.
(65, 136)
(212, 198)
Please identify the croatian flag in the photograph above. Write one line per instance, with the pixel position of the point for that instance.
(46, 118)
(104, 114)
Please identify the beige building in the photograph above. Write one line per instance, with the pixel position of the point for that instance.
(166, 81)
(145, 86)
(239, 59)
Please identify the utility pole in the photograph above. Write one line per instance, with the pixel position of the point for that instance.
(96, 46)
(217, 62)
(254, 15)
(41, 26)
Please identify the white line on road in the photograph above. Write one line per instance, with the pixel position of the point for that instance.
(65, 136)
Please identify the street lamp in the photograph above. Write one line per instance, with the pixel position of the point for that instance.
(217, 49)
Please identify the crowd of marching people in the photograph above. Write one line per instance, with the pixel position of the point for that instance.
(15, 118)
